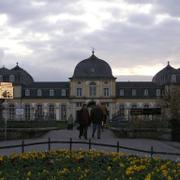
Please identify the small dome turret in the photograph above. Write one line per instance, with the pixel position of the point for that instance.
(21, 76)
(165, 75)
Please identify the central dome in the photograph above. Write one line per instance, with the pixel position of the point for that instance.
(92, 67)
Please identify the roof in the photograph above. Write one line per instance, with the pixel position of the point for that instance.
(140, 88)
(48, 85)
(45, 87)
(92, 67)
(164, 75)
(4, 71)
(23, 76)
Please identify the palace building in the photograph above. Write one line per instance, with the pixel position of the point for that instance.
(92, 80)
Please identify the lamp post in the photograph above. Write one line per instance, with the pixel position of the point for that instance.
(5, 128)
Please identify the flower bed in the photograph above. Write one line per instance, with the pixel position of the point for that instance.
(85, 165)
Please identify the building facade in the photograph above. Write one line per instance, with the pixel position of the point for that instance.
(92, 80)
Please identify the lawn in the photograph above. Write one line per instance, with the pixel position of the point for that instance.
(55, 165)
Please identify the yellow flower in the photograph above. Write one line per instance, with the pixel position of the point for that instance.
(109, 168)
(29, 173)
(164, 172)
(1, 158)
(169, 178)
(148, 177)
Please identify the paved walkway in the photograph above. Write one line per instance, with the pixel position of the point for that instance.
(107, 137)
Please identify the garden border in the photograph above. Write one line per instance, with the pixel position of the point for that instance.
(89, 143)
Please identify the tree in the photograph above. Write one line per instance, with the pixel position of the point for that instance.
(171, 101)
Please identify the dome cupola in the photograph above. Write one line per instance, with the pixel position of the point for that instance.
(92, 67)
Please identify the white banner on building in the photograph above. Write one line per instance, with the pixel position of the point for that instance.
(6, 90)
(19, 112)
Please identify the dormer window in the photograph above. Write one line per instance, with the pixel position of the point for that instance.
(133, 92)
(121, 92)
(39, 92)
(12, 78)
(51, 92)
(63, 92)
(173, 78)
(27, 92)
(158, 92)
(146, 93)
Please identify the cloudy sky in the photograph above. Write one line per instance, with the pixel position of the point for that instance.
(49, 37)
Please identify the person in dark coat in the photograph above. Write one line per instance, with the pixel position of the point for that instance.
(84, 121)
(105, 114)
(96, 118)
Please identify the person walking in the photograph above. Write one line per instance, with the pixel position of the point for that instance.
(84, 121)
(105, 114)
(96, 118)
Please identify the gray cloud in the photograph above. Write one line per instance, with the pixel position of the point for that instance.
(20, 11)
(137, 41)
(171, 7)
(1, 55)
(144, 20)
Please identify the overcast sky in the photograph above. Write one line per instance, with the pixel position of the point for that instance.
(49, 37)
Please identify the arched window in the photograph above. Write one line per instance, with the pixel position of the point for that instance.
(63, 92)
(51, 112)
(173, 78)
(133, 92)
(158, 92)
(39, 112)
(27, 92)
(121, 92)
(51, 92)
(12, 78)
(27, 111)
(39, 92)
(92, 89)
(146, 93)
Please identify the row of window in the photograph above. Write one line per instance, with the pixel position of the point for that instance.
(91, 83)
(122, 107)
(92, 91)
(40, 93)
(172, 78)
(38, 112)
(10, 78)
(134, 92)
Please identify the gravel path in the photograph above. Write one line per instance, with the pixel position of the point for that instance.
(107, 137)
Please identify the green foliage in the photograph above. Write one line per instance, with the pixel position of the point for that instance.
(35, 124)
